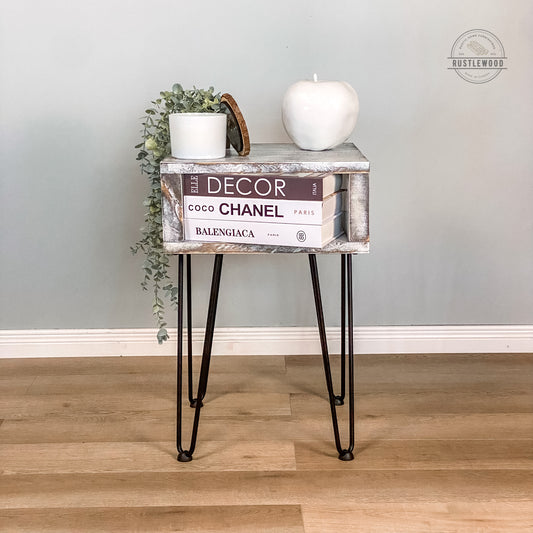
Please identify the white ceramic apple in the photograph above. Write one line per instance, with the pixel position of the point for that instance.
(319, 115)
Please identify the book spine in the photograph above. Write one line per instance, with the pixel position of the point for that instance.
(232, 231)
(253, 209)
(306, 187)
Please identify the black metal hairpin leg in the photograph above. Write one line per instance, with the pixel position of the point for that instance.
(345, 454)
(186, 455)
(339, 400)
(192, 401)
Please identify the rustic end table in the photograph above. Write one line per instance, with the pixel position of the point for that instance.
(268, 159)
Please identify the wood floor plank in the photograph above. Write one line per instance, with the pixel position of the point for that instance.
(458, 426)
(97, 384)
(243, 381)
(147, 427)
(56, 366)
(427, 363)
(422, 370)
(263, 488)
(311, 380)
(152, 427)
(431, 402)
(199, 519)
(419, 455)
(106, 457)
(459, 517)
(131, 403)
(60, 406)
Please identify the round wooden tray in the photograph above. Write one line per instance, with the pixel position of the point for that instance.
(237, 130)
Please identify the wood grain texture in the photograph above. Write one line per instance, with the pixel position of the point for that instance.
(260, 488)
(422, 455)
(106, 457)
(276, 158)
(172, 207)
(443, 444)
(357, 208)
(82, 366)
(463, 517)
(199, 519)
(338, 246)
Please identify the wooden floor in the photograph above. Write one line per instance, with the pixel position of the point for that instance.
(444, 444)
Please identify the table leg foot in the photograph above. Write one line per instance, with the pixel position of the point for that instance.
(184, 457)
(346, 455)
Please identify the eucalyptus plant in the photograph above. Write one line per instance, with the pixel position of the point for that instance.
(155, 146)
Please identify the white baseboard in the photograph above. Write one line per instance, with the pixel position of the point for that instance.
(268, 341)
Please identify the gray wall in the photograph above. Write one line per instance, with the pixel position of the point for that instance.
(452, 164)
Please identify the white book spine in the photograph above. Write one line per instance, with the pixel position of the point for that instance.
(253, 209)
(269, 233)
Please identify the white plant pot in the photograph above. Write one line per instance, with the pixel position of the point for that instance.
(198, 135)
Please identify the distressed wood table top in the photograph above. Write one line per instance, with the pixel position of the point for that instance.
(271, 158)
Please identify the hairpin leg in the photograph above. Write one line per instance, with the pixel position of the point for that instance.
(186, 455)
(346, 282)
(339, 399)
(192, 401)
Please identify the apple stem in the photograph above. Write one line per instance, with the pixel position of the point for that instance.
(315, 77)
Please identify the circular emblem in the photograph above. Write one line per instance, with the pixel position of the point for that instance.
(477, 56)
(301, 236)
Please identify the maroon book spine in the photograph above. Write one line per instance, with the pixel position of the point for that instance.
(268, 187)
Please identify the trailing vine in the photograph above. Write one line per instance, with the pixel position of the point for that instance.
(155, 146)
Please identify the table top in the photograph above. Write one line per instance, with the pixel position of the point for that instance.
(275, 158)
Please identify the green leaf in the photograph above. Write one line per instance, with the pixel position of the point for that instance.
(162, 335)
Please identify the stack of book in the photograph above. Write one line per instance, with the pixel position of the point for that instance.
(303, 210)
